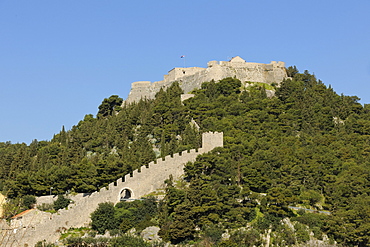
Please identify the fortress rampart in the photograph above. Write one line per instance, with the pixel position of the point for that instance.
(38, 225)
(192, 77)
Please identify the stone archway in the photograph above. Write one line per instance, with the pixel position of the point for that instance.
(125, 194)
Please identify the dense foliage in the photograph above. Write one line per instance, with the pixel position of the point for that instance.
(99, 150)
(306, 147)
(124, 215)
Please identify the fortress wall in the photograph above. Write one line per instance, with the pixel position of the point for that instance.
(150, 179)
(191, 82)
(159, 84)
(49, 226)
(46, 199)
(140, 84)
(192, 78)
(176, 73)
(253, 73)
(211, 140)
(145, 90)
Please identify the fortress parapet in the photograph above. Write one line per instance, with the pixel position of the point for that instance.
(176, 73)
(140, 84)
(192, 77)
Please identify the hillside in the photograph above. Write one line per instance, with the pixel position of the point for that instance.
(307, 147)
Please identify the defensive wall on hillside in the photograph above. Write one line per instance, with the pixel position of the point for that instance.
(192, 77)
(35, 225)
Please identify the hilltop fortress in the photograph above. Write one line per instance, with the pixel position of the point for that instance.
(31, 226)
(192, 77)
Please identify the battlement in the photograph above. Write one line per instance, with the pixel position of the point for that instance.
(192, 77)
(146, 179)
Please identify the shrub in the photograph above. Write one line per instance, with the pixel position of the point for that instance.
(103, 219)
(246, 237)
(44, 244)
(29, 201)
(61, 202)
(301, 233)
(213, 233)
(129, 241)
(46, 207)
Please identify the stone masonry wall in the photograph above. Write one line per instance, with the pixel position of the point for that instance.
(192, 78)
(144, 181)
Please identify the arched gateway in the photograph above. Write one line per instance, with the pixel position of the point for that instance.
(125, 194)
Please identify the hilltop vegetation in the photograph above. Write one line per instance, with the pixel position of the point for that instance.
(305, 147)
(99, 150)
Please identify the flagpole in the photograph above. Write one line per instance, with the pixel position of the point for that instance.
(184, 57)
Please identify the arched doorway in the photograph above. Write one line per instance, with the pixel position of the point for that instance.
(125, 194)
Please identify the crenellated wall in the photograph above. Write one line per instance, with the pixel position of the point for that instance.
(40, 225)
(192, 77)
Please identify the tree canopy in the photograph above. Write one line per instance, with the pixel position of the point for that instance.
(306, 147)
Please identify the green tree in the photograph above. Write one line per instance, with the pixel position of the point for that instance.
(212, 234)
(109, 106)
(182, 227)
(61, 202)
(310, 197)
(292, 71)
(228, 86)
(29, 201)
(136, 214)
(103, 219)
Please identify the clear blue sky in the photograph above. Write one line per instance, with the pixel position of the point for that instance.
(60, 59)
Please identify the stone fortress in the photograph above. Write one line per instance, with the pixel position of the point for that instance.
(192, 77)
(33, 225)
